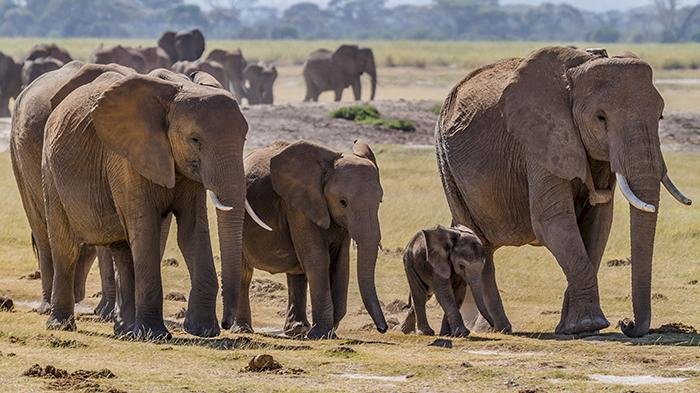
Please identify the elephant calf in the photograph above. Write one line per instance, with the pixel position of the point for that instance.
(443, 261)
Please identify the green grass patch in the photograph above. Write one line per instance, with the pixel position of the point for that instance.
(369, 115)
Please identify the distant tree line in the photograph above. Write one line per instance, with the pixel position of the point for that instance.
(658, 21)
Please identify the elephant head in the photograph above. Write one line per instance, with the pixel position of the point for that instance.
(32, 69)
(10, 82)
(353, 61)
(330, 188)
(49, 50)
(567, 107)
(154, 57)
(118, 54)
(234, 63)
(167, 43)
(261, 79)
(189, 45)
(212, 68)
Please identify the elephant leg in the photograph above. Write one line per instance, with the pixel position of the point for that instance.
(459, 289)
(244, 315)
(82, 269)
(338, 94)
(409, 323)
(357, 88)
(595, 223)
(446, 299)
(164, 232)
(124, 313)
(492, 297)
(419, 296)
(105, 307)
(555, 224)
(340, 277)
(40, 240)
(296, 324)
(4, 105)
(194, 242)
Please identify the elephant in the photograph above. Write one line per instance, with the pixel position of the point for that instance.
(154, 57)
(443, 261)
(32, 69)
(234, 63)
(537, 160)
(183, 45)
(325, 70)
(110, 137)
(317, 200)
(261, 78)
(10, 82)
(126, 56)
(26, 143)
(207, 66)
(49, 50)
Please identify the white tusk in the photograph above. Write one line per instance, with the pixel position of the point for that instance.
(255, 217)
(631, 198)
(673, 190)
(217, 202)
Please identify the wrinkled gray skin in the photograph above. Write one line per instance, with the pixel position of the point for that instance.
(49, 50)
(260, 82)
(316, 200)
(334, 71)
(442, 261)
(208, 66)
(529, 165)
(10, 82)
(122, 55)
(183, 45)
(32, 69)
(26, 143)
(142, 167)
(234, 63)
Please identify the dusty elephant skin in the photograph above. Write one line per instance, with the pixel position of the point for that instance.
(317, 199)
(536, 163)
(139, 169)
(442, 261)
(334, 71)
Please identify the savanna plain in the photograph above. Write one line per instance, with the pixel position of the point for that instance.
(532, 359)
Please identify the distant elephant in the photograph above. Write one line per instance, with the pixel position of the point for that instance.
(121, 55)
(260, 81)
(154, 57)
(536, 162)
(10, 82)
(32, 69)
(317, 200)
(443, 261)
(234, 63)
(208, 66)
(183, 45)
(49, 50)
(325, 70)
(144, 146)
(26, 143)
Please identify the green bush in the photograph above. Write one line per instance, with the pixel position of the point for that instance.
(369, 115)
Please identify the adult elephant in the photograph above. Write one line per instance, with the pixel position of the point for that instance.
(535, 162)
(10, 82)
(122, 55)
(210, 67)
(49, 50)
(32, 69)
(260, 81)
(234, 63)
(325, 70)
(183, 45)
(317, 199)
(148, 145)
(154, 57)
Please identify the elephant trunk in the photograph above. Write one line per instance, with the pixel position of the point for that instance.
(366, 234)
(373, 75)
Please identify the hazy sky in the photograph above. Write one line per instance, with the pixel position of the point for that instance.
(594, 5)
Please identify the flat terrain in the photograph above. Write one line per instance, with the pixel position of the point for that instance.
(531, 283)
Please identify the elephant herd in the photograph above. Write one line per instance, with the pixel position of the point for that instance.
(183, 53)
(529, 151)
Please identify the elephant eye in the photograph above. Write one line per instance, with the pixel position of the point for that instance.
(343, 203)
(601, 117)
(661, 117)
(194, 139)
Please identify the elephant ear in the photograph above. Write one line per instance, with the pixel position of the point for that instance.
(346, 59)
(198, 42)
(167, 43)
(438, 243)
(298, 173)
(130, 119)
(537, 109)
(361, 149)
(86, 74)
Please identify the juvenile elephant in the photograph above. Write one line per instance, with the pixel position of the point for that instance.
(261, 79)
(234, 63)
(183, 45)
(32, 69)
(121, 153)
(208, 66)
(443, 261)
(325, 70)
(49, 50)
(536, 161)
(10, 82)
(317, 200)
(122, 55)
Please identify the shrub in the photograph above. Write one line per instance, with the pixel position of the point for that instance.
(369, 115)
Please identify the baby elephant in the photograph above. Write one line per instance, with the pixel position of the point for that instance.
(443, 261)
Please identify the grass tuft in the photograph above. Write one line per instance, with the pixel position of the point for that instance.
(369, 115)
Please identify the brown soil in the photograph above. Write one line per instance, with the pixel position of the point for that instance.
(79, 380)
(175, 296)
(270, 292)
(675, 328)
(266, 363)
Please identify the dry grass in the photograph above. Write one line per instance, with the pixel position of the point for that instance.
(531, 283)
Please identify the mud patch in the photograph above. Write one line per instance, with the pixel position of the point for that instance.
(619, 262)
(82, 380)
(57, 342)
(269, 291)
(35, 275)
(674, 328)
(636, 379)
(175, 296)
(6, 304)
(264, 285)
(266, 363)
(396, 306)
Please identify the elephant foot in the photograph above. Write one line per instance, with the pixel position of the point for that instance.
(150, 332)
(296, 328)
(318, 332)
(581, 314)
(201, 326)
(460, 331)
(426, 331)
(228, 320)
(105, 309)
(64, 322)
(44, 308)
(242, 327)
